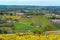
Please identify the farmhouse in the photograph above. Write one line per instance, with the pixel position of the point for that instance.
(19, 14)
(55, 20)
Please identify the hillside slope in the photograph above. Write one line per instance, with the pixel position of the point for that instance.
(36, 23)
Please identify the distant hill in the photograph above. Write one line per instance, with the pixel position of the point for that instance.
(53, 9)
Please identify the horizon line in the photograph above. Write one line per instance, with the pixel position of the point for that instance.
(26, 5)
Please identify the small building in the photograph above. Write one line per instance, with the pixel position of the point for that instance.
(55, 20)
(29, 16)
(54, 32)
(11, 21)
(19, 14)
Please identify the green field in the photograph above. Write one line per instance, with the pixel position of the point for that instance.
(31, 24)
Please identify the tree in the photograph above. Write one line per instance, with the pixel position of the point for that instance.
(11, 14)
(1, 13)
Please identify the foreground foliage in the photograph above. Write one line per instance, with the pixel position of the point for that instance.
(29, 37)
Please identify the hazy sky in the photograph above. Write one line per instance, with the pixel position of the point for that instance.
(31, 2)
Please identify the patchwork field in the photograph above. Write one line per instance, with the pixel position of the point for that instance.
(37, 25)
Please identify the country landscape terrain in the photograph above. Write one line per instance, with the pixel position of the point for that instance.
(19, 22)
